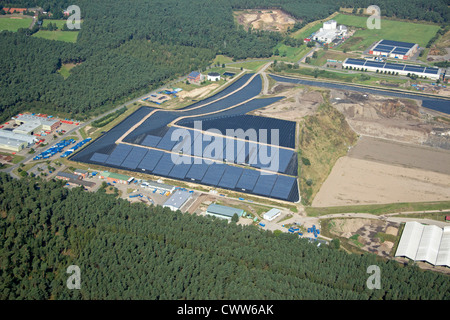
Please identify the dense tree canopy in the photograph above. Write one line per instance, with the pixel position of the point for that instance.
(188, 34)
(131, 251)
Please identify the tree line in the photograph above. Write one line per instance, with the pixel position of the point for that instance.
(132, 251)
(181, 35)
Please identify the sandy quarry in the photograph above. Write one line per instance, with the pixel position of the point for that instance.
(274, 20)
(297, 103)
(395, 119)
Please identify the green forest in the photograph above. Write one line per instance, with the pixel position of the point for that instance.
(127, 47)
(132, 251)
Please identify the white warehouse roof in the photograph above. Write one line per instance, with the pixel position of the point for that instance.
(429, 244)
(425, 243)
(409, 242)
(443, 258)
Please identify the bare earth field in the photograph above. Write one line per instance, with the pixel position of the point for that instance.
(297, 104)
(274, 20)
(356, 181)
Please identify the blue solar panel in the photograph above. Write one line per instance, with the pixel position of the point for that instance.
(397, 43)
(181, 168)
(274, 159)
(252, 157)
(119, 154)
(214, 174)
(197, 171)
(358, 62)
(414, 69)
(150, 160)
(166, 142)
(394, 66)
(265, 184)
(248, 179)
(239, 151)
(400, 51)
(134, 157)
(374, 64)
(99, 157)
(230, 177)
(164, 165)
(229, 153)
(383, 48)
(431, 70)
(151, 141)
(213, 149)
(183, 145)
(282, 187)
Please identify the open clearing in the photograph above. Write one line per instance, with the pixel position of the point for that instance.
(378, 171)
(14, 23)
(273, 20)
(66, 36)
(390, 29)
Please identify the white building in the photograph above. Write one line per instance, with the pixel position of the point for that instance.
(213, 76)
(271, 214)
(29, 123)
(329, 32)
(14, 141)
(177, 200)
(427, 243)
(392, 68)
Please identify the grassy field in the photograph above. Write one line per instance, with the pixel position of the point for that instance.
(379, 209)
(250, 65)
(324, 138)
(14, 23)
(65, 69)
(390, 30)
(66, 36)
(324, 55)
(291, 54)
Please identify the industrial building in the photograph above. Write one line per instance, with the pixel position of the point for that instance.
(82, 173)
(14, 141)
(29, 124)
(159, 186)
(330, 31)
(177, 200)
(213, 76)
(394, 49)
(401, 69)
(223, 212)
(116, 177)
(74, 179)
(427, 243)
(271, 214)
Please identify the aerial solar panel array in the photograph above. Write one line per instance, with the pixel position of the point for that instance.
(216, 174)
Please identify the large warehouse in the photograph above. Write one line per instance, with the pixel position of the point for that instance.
(223, 212)
(402, 69)
(394, 49)
(427, 243)
(14, 141)
(30, 124)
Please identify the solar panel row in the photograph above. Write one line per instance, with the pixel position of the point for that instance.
(192, 142)
(391, 66)
(220, 175)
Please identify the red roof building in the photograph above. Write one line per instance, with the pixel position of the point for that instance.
(15, 10)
